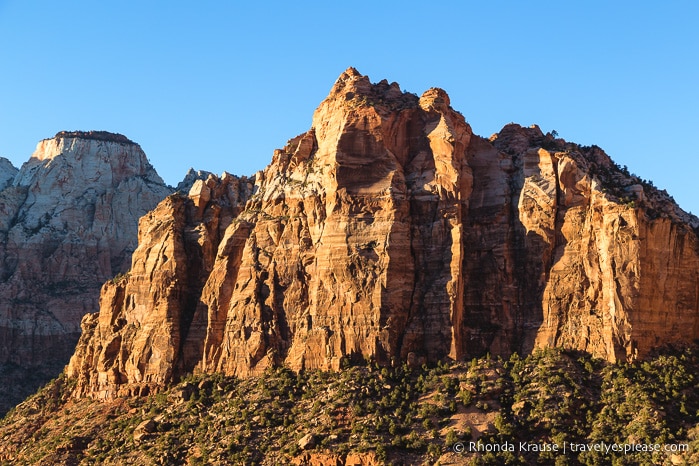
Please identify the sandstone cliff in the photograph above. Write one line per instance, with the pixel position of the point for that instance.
(389, 231)
(154, 304)
(68, 222)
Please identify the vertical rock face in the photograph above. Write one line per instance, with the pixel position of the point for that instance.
(68, 222)
(592, 241)
(142, 340)
(389, 231)
(7, 173)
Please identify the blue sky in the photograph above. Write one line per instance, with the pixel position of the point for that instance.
(219, 85)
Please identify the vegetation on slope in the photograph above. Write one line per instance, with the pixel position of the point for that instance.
(396, 415)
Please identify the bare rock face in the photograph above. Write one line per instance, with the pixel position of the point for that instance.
(334, 459)
(190, 178)
(68, 222)
(389, 231)
(142, 338)
(7, 173)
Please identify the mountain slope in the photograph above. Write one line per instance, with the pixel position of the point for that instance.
(369, 416)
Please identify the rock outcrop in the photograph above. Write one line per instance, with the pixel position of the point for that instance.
(68, 223)
(143, 340)
(390, 232)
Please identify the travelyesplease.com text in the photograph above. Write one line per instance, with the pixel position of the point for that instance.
(566, 447)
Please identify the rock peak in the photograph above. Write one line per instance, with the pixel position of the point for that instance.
(97, 153)
(435, 98)
(351, 81)
(354, 90)
(351, 72)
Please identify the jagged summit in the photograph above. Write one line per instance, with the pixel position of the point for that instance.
(190, 178)
(95, 135)
(350, 78)
(357, 90)
(353, 90)
(351, 71)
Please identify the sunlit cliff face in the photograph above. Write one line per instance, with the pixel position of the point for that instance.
(390, 232)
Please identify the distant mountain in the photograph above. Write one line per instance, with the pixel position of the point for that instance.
(68, 223)
(390, 232)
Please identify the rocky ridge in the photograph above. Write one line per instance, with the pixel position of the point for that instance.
(68, 223)
(390, 232)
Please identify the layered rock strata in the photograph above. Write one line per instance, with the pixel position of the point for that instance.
(390, 232)
(68, 223)
(144, 340)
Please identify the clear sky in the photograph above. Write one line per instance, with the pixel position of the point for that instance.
(218, 85)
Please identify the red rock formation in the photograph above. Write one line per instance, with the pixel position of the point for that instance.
(334, 459)
(142, 340)
(390, 232)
